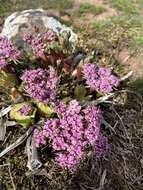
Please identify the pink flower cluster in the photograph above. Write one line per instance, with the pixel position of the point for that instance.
(39, 42)
(25, 110)
(101, 146)
(8, 52)
(93, 117)
(41, 84)
(100, 79)
(39, 137)
(70, 132)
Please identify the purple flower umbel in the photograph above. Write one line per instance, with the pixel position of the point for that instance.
(39, 42)
(93, 117)
(25, 110)
(41, 84)
(67, 134)
(100, 79)
(101, 146)
(8, 52)
(70, 132)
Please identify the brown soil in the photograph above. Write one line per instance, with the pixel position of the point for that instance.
(108, 13)
(131, 62)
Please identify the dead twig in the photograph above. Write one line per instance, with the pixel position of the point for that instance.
(2, 129)
(4, 165)
(17, 143)
(3, 112)
(39, 172)
(128, 75)
(12, 181)
(10, 174)
(34, 164)
(10, 123)
(6, 138)
(102, 181)
(108, 125)
(122, 123)
(104, 99)
(99, 100)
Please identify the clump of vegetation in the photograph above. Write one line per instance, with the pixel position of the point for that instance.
(89, 8)
(126, 6)
(137, 85)
(70, 125)
(9, 6)
(60, 5)
(119, 31)
(136, 45)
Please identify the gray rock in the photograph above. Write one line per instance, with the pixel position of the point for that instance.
(20, 22)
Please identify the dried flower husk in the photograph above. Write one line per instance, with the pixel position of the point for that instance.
(7, 79)
(23, 120)
(80, 92)
(44, 109)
